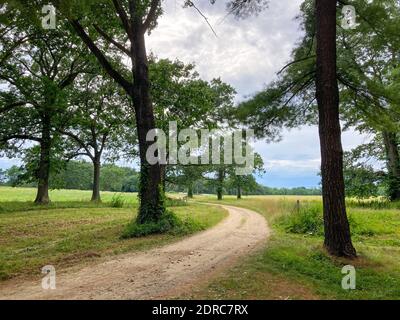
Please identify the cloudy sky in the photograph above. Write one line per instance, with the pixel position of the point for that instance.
(247, 54)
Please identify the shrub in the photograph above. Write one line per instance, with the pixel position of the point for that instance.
(117, 201)
(305, 220)
(169, 223)
(308, 219)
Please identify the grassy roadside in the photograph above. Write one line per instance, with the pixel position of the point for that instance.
(66, 234)
(294, 264)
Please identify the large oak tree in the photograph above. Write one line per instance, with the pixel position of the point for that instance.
(37, 69)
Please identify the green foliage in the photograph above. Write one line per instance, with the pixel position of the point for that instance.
(361, 179)
(13, 176)
(190, 101)
(307, 219)
(169, 223)
(114, 178)
(79, 175)
(117, 201)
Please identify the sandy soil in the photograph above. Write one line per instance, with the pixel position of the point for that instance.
(159, 273)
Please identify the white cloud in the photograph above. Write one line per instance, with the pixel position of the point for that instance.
(246, 54)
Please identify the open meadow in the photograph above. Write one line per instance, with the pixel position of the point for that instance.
(294, 264)
(72, 231)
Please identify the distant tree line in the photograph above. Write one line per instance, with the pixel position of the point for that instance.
(78, 175)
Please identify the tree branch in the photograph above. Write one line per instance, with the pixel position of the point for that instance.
(191, 4)
(12, 106)
(124, 18)
(80, 142)
(152, 14)
(100, 57)
(68, 80)
(294, 62)
(111, 40)
(20, 136)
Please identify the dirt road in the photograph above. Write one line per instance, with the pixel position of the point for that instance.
(159, 273)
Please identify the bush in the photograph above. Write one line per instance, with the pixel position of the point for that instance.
(305, 220)
(117, 201)
(309, 220)
(169, 223)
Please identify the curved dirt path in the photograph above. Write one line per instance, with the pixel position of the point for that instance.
(159, 273)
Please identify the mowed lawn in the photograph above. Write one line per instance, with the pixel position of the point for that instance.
(294, 264)
(72, 231)
(9, 194)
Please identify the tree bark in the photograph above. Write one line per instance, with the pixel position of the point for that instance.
(239, 192)
(393, 164)
(43, 172)
(220, 183)
(337, 230)
(190, 191)
(96, 179)
(163, 169)
(151, 193)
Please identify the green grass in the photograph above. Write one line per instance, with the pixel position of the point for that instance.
(9, 194)
(69, 233)
(294, 264)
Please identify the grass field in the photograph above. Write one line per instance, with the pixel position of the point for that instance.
(294, 264)
(8, 194)
(72, 231)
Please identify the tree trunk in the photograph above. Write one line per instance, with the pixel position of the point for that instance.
(220, 183)
(393, 164)
(190, 191)
(337, 229)
(43, 172)
(239, 192)
(163, 169)
(96, 179)
(151, 192)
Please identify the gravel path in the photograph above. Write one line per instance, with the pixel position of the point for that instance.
(160, 273)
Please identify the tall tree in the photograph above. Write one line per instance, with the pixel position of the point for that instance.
(246, 183)
(135, 19)
(290, 101)
(368, 61)
(35, 80)
(98, 119)
(180, 95)
(186, 176)
(337, 229)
